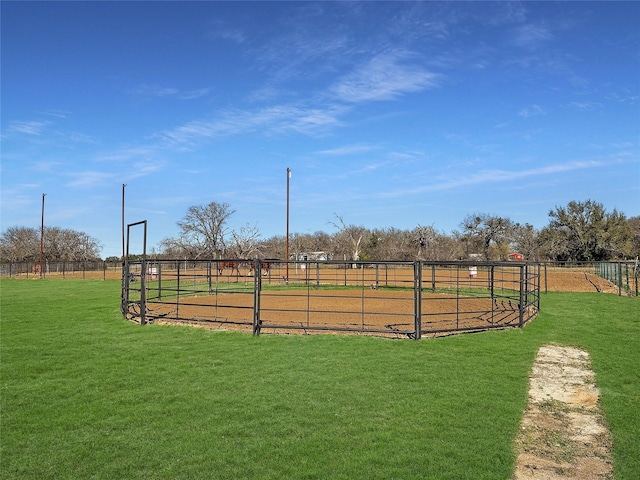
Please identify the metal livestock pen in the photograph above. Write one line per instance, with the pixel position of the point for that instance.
(397, 299)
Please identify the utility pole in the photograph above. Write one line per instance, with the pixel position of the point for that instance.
(42, 239)
(123, 185)
(287, 247)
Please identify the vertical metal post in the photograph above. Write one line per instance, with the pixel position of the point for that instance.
(492, 281)
(124, 306)
(143, 279)
(521, 303)
(178, 291)
(123, 185)
(433, 278)
(362, 281)
(287, 241)
(538, 289)
(619, 279)
(125, 269)
(257, 287)
(160, 281)
(42, 239)
(417, 299)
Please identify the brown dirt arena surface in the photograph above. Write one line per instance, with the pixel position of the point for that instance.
(299, 311)
(378, 310)
(560, 280)
(562, 435)
(557, 279)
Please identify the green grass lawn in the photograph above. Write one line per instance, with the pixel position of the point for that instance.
(86, 394)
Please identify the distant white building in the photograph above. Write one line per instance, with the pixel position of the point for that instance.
(310, 256)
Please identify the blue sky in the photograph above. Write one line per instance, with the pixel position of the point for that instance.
(390, 114)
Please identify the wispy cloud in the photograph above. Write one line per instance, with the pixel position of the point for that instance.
(348, 150)
(532, 111)
(141, 169)
(46, 166)
(56, 113)
(158, 91)
(274, 119)
(585, 106)
(496, 175)
(531, 35)
(90, 179)
(95, 178)
(384, 77)
(28, 127)
(219, 29)
(126, 155)
(20, 195)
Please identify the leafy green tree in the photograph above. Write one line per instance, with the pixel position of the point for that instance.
(585, 231)
(634, 227)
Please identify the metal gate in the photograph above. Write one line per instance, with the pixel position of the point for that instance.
(134, 279)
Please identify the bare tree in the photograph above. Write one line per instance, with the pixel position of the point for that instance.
(273, 247)
(481, 231)
(20, 244)
(244, 243)
(425, 238)
(69, 245)
(353, 234)
(526, 241)
(389, 244)
(203, 230)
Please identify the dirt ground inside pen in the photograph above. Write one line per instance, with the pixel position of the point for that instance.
(556, 280)
(387, 312)
(575, 281)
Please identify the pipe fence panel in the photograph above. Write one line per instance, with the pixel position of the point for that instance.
(394, 299)
(86, 270)
(620, 277)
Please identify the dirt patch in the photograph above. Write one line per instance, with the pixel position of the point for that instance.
(576, 281)
(563, 435)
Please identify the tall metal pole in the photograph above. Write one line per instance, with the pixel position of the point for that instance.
(287, 242)
(123, 185)
(42, 238)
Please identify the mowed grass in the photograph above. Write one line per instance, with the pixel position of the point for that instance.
(86, 394)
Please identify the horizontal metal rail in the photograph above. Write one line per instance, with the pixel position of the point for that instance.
(394, 299)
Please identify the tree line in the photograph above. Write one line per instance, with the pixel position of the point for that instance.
(579, 231)
(22, 244)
